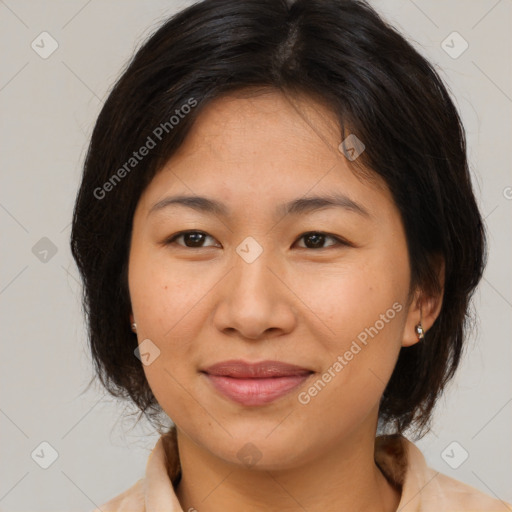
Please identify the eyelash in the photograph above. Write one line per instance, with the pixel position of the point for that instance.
(339, 241)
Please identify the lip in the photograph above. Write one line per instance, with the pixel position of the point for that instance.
(255, 383)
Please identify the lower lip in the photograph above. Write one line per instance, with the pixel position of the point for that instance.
(256, 391)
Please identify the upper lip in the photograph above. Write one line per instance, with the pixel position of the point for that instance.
(260, 370)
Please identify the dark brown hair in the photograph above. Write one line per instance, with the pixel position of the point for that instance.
(342, 53)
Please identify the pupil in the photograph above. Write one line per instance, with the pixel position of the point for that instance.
(316, 240)
(194, 238)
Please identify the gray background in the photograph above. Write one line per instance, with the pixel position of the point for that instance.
(48, 108)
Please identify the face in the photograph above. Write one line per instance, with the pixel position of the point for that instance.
(264, 272)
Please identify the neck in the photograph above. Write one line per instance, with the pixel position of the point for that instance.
(342, 477)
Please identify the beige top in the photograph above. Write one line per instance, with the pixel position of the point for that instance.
(423, 489)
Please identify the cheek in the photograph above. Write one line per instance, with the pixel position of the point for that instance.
(359, 352)
(163, 295)
(169, 304)
(362, 310)
(349, 299)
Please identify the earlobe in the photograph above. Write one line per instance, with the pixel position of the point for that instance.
(422, 315)
(423, 312)
(414, 331)
(415, 327)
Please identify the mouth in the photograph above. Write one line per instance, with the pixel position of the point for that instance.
(255, 384)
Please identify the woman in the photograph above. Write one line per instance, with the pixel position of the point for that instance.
(278, 239)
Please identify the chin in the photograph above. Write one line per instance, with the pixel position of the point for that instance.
(258, 450)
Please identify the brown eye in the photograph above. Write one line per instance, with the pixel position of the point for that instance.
(317, 239)
(191, 239)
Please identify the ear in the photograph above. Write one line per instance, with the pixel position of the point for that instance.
(425, 307)
(131, 318)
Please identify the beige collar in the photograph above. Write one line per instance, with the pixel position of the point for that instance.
(422, 488)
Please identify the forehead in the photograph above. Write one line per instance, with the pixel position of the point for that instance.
(264, 148)
(242, 126)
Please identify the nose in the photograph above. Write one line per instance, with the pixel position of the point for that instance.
(253, 302)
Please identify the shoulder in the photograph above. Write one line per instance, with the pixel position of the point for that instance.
(155, 491)
(425, 489)
(457, 496)
(131, 500)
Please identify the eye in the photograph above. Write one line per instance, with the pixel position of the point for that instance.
(317, 239)
(191, 239)
(197, 239)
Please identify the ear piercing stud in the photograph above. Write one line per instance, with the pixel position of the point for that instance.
(419, 331)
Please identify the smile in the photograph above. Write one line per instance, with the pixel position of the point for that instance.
(254, 384)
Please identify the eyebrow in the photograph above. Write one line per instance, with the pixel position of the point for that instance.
(299, 206)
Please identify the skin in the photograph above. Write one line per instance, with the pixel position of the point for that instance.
(295, 303)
